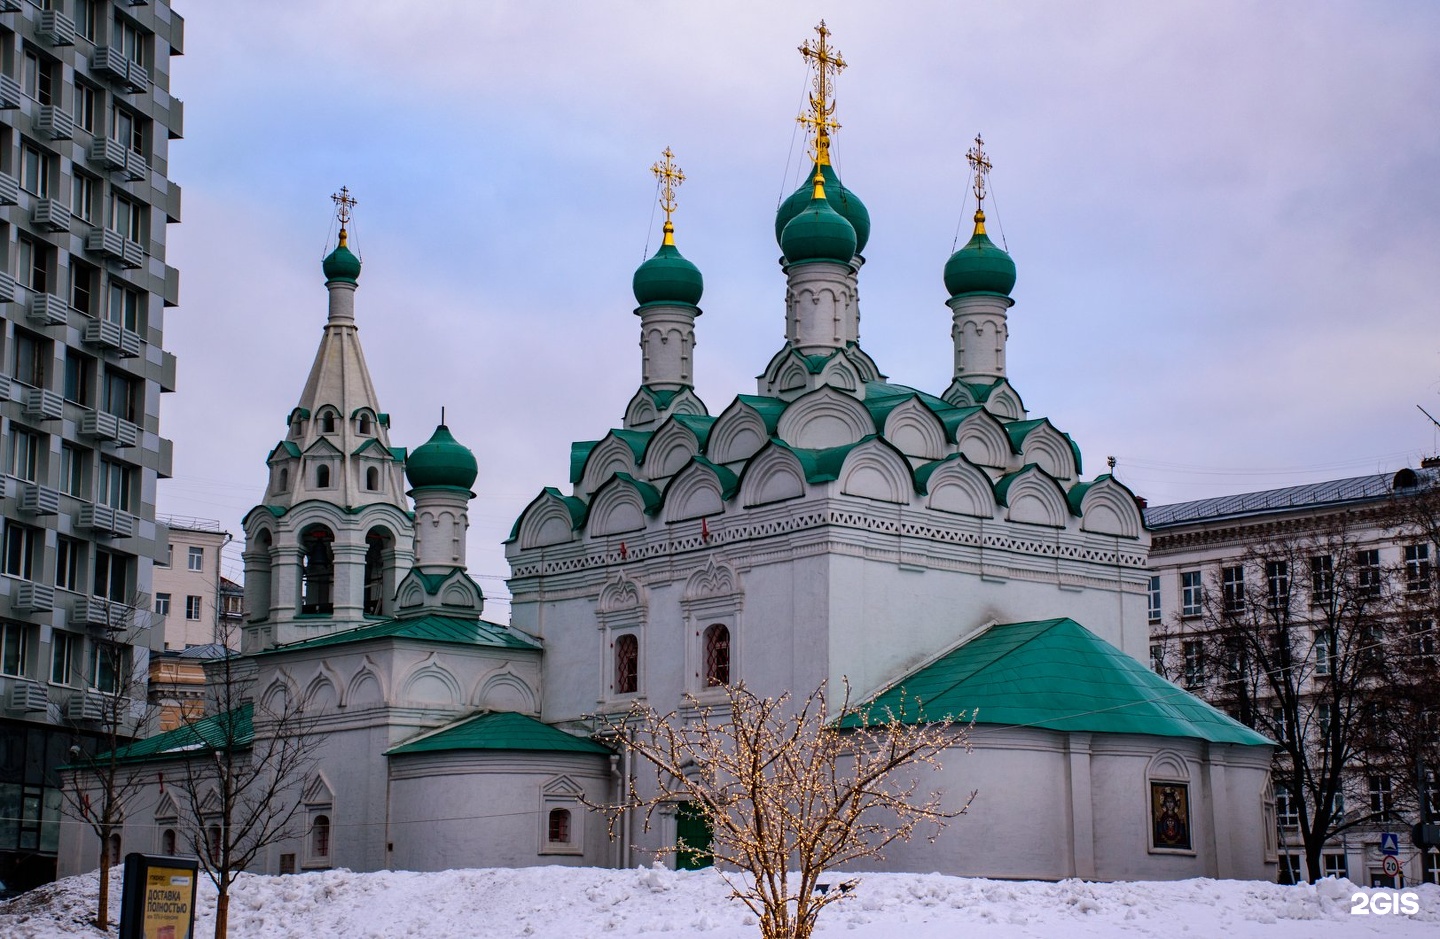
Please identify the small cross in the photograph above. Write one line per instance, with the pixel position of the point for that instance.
(828, 64)
(980, 164)
(669, 176)
(344, 202)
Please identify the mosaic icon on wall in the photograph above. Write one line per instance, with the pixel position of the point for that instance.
(1170, 815)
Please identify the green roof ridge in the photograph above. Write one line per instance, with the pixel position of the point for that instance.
(498, 730)
(235, 727)
(427, 627)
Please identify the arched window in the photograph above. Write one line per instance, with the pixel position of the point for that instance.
(284, 478)
(377, 542)
(320, 837)
(212, 842)
(327, 422)
(167, 842)
(114, 857)
(318, 562)
(717, 656)
(322, 477)
(627, 664)
(557, 829)
(372, 479)
(365, 423)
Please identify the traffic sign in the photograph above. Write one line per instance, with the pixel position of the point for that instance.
(1390, 865)
(1389, 843)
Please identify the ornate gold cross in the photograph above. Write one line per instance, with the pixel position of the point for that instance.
(344, 202)
(980, 165)
(669, 176)
(828, 64)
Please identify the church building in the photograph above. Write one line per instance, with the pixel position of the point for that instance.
(831, 525)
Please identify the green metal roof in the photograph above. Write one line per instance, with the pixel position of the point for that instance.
(924, 471)
(769, 409)
(233, 728)
(499, 730)
(289, 446)
(579, 453)
(429, 627)
(1056, 674)
(573, 504)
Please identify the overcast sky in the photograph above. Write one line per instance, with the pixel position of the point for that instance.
(1225, 216)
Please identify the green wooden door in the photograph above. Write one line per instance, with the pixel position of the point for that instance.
(693, 831)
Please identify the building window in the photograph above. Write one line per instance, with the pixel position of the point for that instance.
(372, 479)
(25, 449)
(38, 78)
(1287, 813)
(364, 423)
(63, 653)
(1157, 658)
(162, 604)
(128, 129)
(125, 307)
(83, 192)
(322, 477)
(14, 650)
(115, 484)
(318, 571)
(1325, 651)
(1191, 593)
(327, 422)
(167, 842)
(1422, 641)
(1232, 585)
(1432, 866)
(213, 843)
(118, 395)
(31, 359)
(1369, 579)
(320, 838)
(125, 217)
(557, 828)
(192, 607)
(131, 40)
(1154, 596)
(1194, 652)
(37, 170)
(79, 376)
(22, 547)
(69, 562)
(1322, 579)
(107, 667)
(1292, 871)
(113, 574)
(85, 108)
(33, 261)
(85, 18)
(627, 664)
(1282, 728)
(717, 656)
(1417, 567)
(196, 558)
(287, 863)
(1333, 865)
(1277, 585)
(1382, 799)
(378, 544)
(72, 470)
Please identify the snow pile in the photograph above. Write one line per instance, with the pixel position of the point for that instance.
(567, 902)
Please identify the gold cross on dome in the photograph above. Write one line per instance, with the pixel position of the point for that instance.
(821, 118)
(979, 162)
(344, 202)
(669, 176)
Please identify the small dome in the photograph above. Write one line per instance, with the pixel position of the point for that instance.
(441, 461)
(841, 199)
(341, 264)
(980, 267)
(668, 278)
(818, 233)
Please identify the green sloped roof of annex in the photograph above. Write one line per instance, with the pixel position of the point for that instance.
(580, 450)
(1019, 430)
(1002, 485)
(1057, 675)
(234, 728)
(768, 408)
(428, 627)
(575, 505)
(498, 730)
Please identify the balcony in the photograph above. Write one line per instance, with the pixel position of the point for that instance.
(54, 123)
(86, 705)
(116, 247)
(135, 166)
(107, 154)
(9, 190)
(56, 28)
(43, 405)
(137, 79)
(104, 334)
(109, 63)
(107, 427)
(52, 215)
(7, 288)
(106, 521)
(9, 93)
(39, 500)
(28, 696)
(132, 254)
(33, 598)
(46, 309)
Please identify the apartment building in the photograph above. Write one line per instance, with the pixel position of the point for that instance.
(86, 121)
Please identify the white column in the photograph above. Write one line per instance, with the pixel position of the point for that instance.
(821, 306)
(667, 344)
(979, 332)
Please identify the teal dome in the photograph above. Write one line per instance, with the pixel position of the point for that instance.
(980, 267)
(341, 264)
(441, 461)
(841, 199)
(668, 278)
(818, 233)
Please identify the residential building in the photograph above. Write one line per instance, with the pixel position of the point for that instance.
(86, 121)
(1312, 560)
(191, 603)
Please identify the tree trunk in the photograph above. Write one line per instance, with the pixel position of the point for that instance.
(102, 912)
(222, 912)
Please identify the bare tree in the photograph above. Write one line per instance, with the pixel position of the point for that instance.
(242, 789)
(100, 784)
(815, 787)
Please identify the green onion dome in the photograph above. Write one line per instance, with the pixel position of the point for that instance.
(841, 199)
(668, 277)
(818, 233)
(341, 264)
(981, 266)
(441, 461)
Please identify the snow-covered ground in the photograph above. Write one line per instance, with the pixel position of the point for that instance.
(579, 902)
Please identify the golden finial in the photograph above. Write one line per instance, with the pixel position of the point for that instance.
(344, 202)
(669, 176)
(821, 118)
(980, 166)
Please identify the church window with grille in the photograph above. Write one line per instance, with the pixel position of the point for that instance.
(558, 827)
(717, 656)
(627, 664)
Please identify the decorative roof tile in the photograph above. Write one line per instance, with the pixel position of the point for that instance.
(498, 730)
